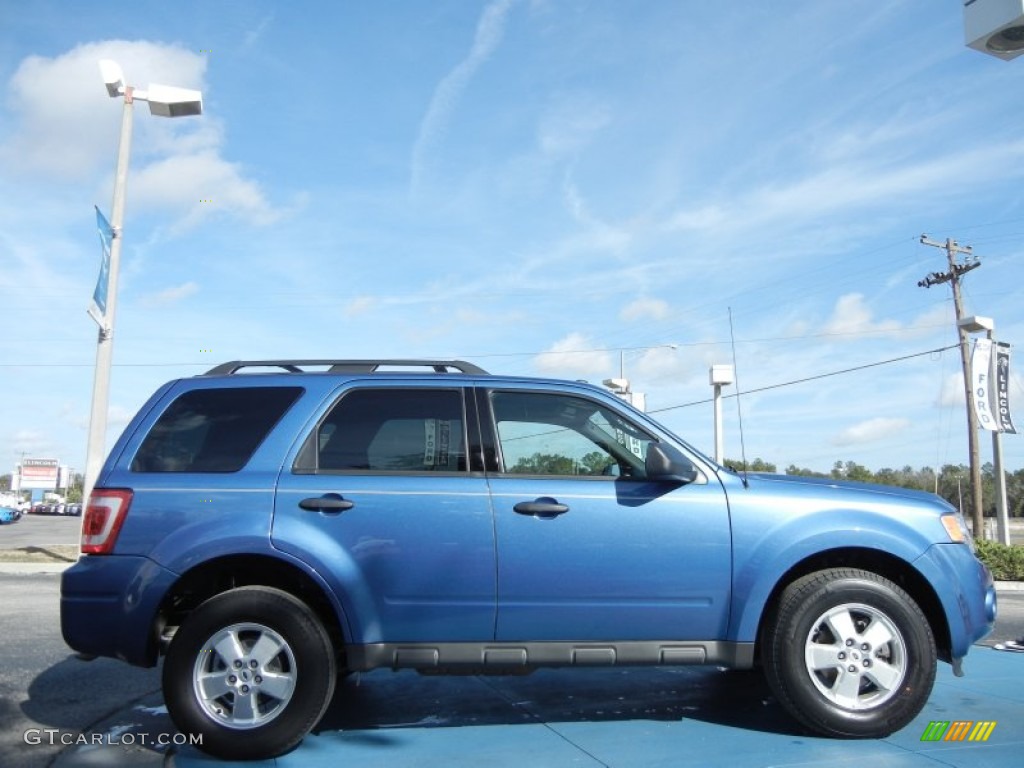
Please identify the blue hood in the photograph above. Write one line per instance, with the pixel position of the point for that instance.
(850, 486)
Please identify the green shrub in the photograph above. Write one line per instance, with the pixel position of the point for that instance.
(1005, 562)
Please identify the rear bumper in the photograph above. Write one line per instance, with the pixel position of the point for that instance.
(108, 607)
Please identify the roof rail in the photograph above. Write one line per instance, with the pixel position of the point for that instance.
(345, 366)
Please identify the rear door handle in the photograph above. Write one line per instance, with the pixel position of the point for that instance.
(545, 508)
(332, 503)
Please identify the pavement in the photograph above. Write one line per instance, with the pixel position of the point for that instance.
(629, 718)
(615, 718)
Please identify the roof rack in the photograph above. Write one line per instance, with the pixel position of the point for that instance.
(345, 366)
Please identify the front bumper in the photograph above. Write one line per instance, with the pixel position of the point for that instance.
(967, 592)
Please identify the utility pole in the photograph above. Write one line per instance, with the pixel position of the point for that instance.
(956, 271)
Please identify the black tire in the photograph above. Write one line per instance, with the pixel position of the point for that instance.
(849, 653)
(251, 671)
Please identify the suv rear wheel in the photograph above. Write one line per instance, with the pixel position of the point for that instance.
(250, 670)
(849, 653)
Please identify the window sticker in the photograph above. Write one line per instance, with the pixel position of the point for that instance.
(436, 442)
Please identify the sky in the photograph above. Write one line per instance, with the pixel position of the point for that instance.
(568, 188)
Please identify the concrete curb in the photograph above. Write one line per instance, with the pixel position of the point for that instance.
(30, 568)
(1010, 586)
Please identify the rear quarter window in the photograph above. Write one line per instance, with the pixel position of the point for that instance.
(213, 430)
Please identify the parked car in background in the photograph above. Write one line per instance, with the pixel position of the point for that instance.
(9, 515)
(268, 531)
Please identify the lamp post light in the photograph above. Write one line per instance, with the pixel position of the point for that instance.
(164, 101)
(995, 27)
(720, 376)
(621, 387)
(977, 324)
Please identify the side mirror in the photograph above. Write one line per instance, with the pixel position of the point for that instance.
(666, 464)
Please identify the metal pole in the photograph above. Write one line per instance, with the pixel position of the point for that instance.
(1002, 517)
(97, 447)
(719, 443)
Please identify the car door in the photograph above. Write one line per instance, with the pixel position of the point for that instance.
(588, 548)
(383, 502)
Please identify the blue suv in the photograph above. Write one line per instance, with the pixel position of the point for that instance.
(272, 525)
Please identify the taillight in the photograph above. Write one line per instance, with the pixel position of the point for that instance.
(102, 521)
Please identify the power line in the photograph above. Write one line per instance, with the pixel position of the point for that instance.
(809, 378)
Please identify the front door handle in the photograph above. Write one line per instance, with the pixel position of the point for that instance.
(545, 508)
(331, 503)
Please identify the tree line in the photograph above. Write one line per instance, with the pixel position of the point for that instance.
(952, 482)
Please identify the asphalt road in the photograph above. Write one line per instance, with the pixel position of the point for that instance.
(41, 531)
(42, 686)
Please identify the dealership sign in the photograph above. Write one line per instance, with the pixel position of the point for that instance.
(39, 474)
(990, 383)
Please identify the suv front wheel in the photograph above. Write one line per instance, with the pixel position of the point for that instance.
(850, 653)
(250, 671)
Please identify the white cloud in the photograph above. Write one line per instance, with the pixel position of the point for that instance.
(254, 35)
(569, 126)
(65, 126)
(862, 183)
(575, 355)
(360, 306)
(871, 430)
(852, 316)
(489, 32)
(170, 296)
(645, 309)
(666, 364)
(118, 417)
(937, 316)
(952, 392)
(597, 235)
(64, 122)
(707, 217)
(201, 184)
(31, 442)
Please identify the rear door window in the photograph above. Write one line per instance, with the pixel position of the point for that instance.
(213, 430)
(390, 430)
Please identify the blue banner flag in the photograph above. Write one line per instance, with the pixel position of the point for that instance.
(98, 309)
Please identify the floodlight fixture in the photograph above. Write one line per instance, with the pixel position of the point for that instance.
(995, 27)
(113, 77)
(722, 374)
(977, 324)
(619, 386)
(171, 101)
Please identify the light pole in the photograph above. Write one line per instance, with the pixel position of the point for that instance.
(976, 324)
(720, 376)
(164, 101)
